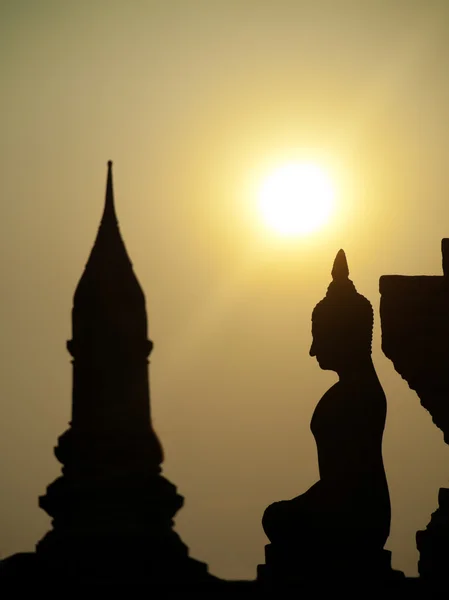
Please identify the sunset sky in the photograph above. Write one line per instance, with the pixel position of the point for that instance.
(196, 102)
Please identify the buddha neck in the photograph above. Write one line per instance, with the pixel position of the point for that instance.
(357, 369)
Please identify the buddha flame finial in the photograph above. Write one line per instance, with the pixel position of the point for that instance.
(340, 270)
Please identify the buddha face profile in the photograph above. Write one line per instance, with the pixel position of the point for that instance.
(342, 323)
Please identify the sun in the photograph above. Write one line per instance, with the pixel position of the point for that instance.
(296, 198)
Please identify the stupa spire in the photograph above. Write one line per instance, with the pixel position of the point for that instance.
(109, 208)
(108, 267)
(109, 242)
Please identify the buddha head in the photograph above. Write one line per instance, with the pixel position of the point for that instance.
(342, 323)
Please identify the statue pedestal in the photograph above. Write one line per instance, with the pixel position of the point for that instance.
(322, 568)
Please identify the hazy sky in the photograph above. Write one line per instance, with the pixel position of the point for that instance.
(195, 101)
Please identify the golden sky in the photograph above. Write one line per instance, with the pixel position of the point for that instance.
(195, 101)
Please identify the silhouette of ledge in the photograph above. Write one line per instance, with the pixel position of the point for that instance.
(414, 312)
(23, 571)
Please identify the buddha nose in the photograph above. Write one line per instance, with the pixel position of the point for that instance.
(312, 349)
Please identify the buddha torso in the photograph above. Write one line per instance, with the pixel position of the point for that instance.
(348, 425)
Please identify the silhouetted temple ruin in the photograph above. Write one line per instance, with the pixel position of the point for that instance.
(112, 509)
(414, 312)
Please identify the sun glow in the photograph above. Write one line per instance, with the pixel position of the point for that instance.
(296, 199)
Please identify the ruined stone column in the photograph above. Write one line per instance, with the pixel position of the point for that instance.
(414, 313)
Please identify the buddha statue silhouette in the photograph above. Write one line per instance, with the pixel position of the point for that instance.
(348, 509)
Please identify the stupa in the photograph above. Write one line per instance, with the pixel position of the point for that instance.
(112, 508)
